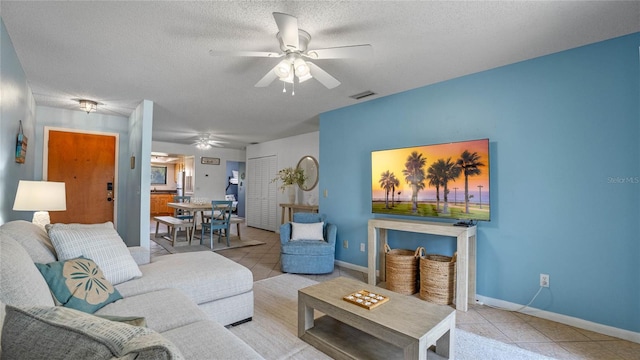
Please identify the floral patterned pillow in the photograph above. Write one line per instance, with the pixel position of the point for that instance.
(78, 284)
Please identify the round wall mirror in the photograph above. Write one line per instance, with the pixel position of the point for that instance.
(309, 165)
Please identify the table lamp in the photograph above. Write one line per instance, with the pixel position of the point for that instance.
(41, 197)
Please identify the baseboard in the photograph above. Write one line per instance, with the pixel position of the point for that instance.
(563, 319)
(350, 266)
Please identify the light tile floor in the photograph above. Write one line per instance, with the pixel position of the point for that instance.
(534, 334)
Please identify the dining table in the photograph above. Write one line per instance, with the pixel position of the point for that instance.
(194, 208)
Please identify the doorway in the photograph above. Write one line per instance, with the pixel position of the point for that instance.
(87, 163)
(171, 175)
(235, 184)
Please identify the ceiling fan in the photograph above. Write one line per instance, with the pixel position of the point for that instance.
(296, 64)
(205, 142)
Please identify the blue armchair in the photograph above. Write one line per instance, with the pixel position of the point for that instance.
(308, 256)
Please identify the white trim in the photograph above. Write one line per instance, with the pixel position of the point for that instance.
(45, 159)
(351, 266)
(563, 319)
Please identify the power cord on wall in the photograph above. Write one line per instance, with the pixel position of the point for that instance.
(520, 308)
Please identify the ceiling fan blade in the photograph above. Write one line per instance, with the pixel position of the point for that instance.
(267, 79)
(246, 53)
(322, 76)
(288, 27)
(342, 52)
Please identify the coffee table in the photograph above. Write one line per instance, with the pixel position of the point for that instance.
(407, 325)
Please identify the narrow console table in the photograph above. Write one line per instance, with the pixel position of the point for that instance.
(466, 248)
(291, 208)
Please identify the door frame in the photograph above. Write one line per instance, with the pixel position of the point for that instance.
(45, 159)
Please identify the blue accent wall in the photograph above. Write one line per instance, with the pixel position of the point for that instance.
(564, 134)
(16, 104)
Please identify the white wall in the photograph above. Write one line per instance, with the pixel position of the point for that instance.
(289, 151)
(138, 183)
(210, 180)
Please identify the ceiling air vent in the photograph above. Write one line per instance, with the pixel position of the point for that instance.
(362, 95)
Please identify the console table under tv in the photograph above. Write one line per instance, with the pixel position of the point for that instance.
(466, 248)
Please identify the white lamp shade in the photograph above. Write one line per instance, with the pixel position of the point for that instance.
(288, 79)
(302, 69)
(40, 196)
(283, 69)
(304, 78)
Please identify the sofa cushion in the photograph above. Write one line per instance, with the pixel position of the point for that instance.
(131, 320)
(310, 231)
(99, 242)
(78, 284)
(308, 247)
(306, 218)
(209, 340)
(20, 281)
(203, 276)
(33, 238)
(163, 309)
(62, 333)
(141, 255)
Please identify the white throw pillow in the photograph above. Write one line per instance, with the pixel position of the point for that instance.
(312, 231)
(100, 243)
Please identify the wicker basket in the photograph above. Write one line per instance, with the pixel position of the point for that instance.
(437, 278)
(401, 267)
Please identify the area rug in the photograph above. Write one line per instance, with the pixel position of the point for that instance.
(273, 331)
(183, 246)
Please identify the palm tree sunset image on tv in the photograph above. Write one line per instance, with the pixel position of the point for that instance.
(444, 180)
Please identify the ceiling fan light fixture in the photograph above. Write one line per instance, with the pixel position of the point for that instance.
(304, 78)
(203, 145)
(301, 67)
(88, 105)
(288, 78)
(283, 69)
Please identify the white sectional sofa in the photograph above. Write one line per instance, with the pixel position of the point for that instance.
(187, 298)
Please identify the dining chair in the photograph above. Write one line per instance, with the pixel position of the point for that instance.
(219, 222)
(180, 213)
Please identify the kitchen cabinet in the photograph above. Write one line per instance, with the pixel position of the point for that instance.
(159, 203)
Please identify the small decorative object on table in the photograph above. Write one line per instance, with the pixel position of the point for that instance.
(289, 176)
(366, 299)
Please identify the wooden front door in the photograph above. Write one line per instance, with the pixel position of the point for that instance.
(86, 164)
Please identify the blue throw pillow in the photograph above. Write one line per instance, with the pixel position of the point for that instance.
(79, 284)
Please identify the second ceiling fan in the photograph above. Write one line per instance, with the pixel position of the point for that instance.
(296, 64)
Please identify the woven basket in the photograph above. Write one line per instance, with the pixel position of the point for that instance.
(401, 267)
(437, 278)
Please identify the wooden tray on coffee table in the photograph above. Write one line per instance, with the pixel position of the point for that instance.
(365, 299)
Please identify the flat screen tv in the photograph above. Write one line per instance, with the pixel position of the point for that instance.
(442, 181)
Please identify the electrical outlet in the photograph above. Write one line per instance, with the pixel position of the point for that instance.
(326, 193)
(544, 280)
(345, 244)
(362, 247)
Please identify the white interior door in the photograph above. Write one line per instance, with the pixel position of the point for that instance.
(262, 193)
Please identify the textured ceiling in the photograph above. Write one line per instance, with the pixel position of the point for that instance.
(119, 53)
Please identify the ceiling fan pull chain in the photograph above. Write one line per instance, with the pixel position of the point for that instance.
(284, 87)
(293, 88)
